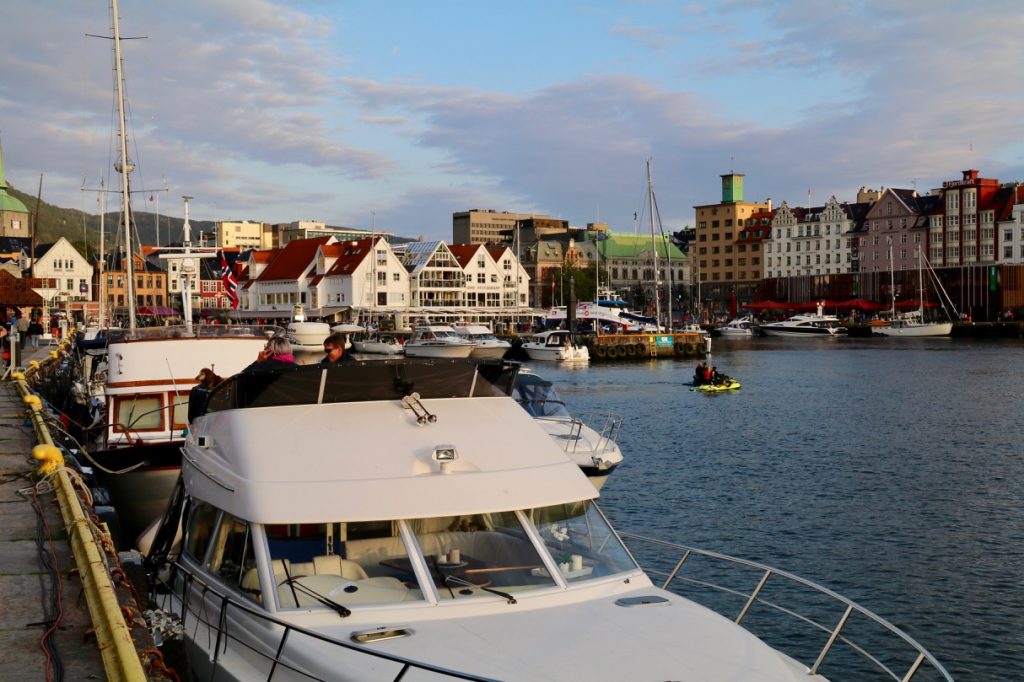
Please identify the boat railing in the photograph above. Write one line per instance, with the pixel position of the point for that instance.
(178, 331)
(276, 656)
(805, 620)
(606, 425)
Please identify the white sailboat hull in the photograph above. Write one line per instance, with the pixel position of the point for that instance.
(917, 330)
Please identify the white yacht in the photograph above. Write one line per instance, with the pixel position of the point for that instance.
(437, 341)
(557, 345)
(740, 327)
(427, 528)
(589, 440)
(816, 325)
(912, 324)
(305, 336)
(487, 344)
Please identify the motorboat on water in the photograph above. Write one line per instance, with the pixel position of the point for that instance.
(809, 325)
(428, 528)
(437, 341)
(737, 328)
(376, 343)
(609, 314)
(588, 440)
(556, 345)
(306, 336)
(727, 384)
(487, 344)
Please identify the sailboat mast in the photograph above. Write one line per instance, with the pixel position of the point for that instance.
(920, 285)
(124, 167)
(892, 281)
(654, 245)
(103, 257)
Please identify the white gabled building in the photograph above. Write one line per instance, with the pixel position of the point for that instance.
(364, 274)
(436, 280)
(811, 241)
(69, 270)
(515, 292)
(484, 281)
(275, 286)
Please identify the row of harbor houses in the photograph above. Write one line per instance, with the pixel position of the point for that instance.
(369, 280)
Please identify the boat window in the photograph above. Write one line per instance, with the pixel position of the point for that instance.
(469, 555)
(199, 530)
(179, 409)
(352, 564)
(139, 413)
(232, 558)
(582, 543)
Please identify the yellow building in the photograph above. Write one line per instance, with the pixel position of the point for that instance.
(725, 262)
(244, 235)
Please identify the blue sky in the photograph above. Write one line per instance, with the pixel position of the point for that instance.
(336, 111)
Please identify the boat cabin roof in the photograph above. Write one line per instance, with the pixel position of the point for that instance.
(310, 444)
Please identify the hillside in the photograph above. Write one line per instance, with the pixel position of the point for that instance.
(77, 226)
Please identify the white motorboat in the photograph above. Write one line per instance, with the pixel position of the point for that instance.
(306, 337)
(437, 341)
(594, 451)
(556, 345)
(487, 344)
(446, 536)
(740, 327)
(816, 325)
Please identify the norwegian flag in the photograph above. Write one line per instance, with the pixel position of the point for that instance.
(227, 278)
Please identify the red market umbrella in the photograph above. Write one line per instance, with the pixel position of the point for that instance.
(912, 303)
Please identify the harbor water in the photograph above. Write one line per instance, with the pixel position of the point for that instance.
(889, 470)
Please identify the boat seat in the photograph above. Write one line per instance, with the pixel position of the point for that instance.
(251, 579)
(332, 564)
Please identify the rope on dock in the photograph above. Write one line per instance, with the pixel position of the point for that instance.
(113, 636)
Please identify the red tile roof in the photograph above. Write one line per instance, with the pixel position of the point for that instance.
(464, 253)
(352, 253)
(291, 261)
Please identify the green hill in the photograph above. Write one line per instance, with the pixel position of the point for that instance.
(81, 228)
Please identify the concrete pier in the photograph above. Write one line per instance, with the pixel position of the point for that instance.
(35, 561)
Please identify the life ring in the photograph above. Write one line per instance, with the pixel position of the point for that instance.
(691, 349)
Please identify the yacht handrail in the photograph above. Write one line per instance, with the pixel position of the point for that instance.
(278, 656)
(609, 426)
(753, 598)
(175, 331)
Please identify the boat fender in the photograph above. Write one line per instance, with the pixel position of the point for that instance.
(600, 352)
(691, 349)
(679, 348)
(641, 349)
(614, 352)
(631, 350)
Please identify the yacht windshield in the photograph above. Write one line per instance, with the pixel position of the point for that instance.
(539, 398)
(479, 555)
(582, 543)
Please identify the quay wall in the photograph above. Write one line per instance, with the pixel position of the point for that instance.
(55, 550)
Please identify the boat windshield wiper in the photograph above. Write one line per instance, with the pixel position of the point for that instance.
(330, 603)
(453, 580)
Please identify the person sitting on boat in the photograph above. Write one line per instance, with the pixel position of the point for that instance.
(716, 378)
(277, 354)
(709, 374)
(698, 374)
(200, 393)
(334, 350)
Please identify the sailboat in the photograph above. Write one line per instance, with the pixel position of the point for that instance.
(151, 370)
(912, 324)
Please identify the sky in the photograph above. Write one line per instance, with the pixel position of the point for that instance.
(395, 114)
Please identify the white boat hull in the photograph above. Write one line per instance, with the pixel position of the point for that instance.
(415, 350)
(561, 354)
(377, 347)
(917, 330)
